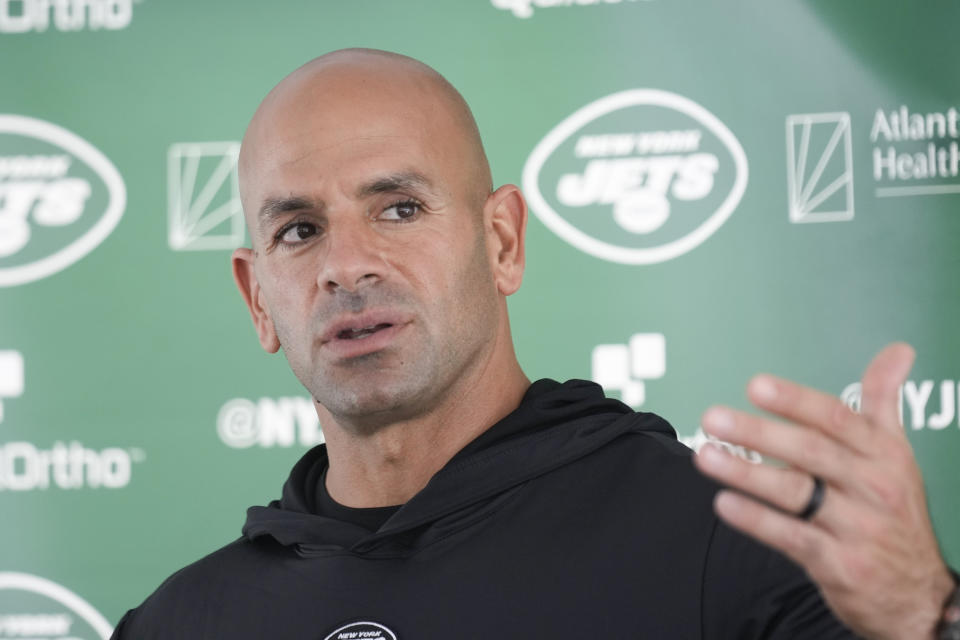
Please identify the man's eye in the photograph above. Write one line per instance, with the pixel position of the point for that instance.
(406, 210)
(296, 233)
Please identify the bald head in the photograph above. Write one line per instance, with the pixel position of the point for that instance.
(381, 257)
(358, 96)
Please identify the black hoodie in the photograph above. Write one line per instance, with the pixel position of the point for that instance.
(573, 517)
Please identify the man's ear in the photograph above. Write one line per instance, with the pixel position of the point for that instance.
(505, 216)
(246, 278)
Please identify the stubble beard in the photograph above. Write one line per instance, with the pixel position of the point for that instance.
(412, 378)
(399, 383)
(374, 390)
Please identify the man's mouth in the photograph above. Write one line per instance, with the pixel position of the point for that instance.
(362, 332)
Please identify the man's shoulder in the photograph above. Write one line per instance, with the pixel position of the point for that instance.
(650, 439)
(186, 594)
(643, 471)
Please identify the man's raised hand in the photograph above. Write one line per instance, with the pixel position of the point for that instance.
(869, 544)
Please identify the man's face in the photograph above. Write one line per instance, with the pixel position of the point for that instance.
(371, 257)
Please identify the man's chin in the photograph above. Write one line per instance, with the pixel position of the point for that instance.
(371, 403)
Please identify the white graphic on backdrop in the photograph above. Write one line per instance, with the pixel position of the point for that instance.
(48, 610)
(52, 182)
(26, 467)
(914, 153)
(269, 422)
(924, 404)
(11, 376)
(524, 8)
(920, 147)
(700, 438)
(203, 197)
(637, 194)
(852, 395)
(626, 367)
(819, 167)
(24, 16)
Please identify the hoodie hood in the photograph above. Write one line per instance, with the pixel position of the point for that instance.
(554, 425)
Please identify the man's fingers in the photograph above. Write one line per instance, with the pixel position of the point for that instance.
(802, 448)
(880, 403)
(886, 373)
(787, 489)
(804, 405)
(803, 542)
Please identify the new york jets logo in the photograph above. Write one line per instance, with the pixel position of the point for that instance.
(60, 197)
(636, 177)
(361, 630)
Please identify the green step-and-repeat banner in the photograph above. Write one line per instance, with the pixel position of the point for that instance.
(716, 188)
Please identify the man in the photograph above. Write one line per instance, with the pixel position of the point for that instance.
(453, 499)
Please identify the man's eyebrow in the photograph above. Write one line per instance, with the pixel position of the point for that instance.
(402, 181)
(275, 207)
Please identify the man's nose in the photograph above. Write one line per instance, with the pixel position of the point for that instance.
(353, 258)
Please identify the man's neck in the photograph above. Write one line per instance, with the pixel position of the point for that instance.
(392, 464)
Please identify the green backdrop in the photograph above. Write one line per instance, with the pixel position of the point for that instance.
(717, 189)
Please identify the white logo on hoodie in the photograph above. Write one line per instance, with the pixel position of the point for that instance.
(360, 630)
